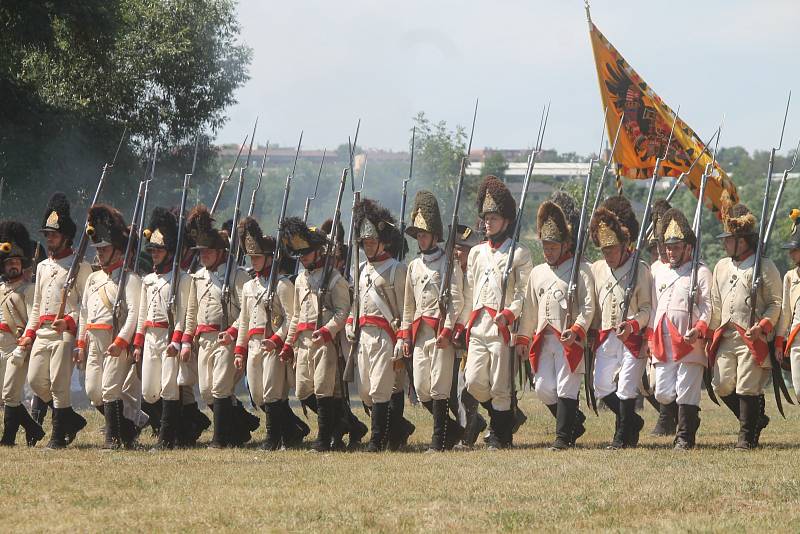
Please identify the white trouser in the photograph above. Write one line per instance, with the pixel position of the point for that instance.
(553, 376)
(433, 368)
(613, 358)
(375, 366)
(159, 371)
(488, 369)
(676, 381)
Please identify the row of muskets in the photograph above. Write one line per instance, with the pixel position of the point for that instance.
(353, 262)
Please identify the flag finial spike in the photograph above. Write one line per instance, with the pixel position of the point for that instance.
(588, 13)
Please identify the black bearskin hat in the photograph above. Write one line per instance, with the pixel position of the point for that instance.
(15, 242)
(162, 232)
(107, 227)
(621, 207)
(252, 239)
(300, 239)
(57, 217)
(374, 221)
(675, 228)
(425, 216)
(200, 227)
(494, 197)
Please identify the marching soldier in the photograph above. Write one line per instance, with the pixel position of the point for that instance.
(467, 412)
(262, 333)
(214, 325)
(50, 334)
(667, 413)
(678, 346)
(420, 338)
(787, 344)
(620, 350)
(739, 351)
(16, 299)
(488, 329)
(103, 340)
(557, 347)
(313, 349)
(381, 288)
(154, 346)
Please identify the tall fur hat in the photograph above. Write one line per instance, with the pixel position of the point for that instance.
(300, 239)
(252, 239)
(200, 227)
(326, 227)
(621, 207)
(374, 221)
(107, 227)
(494, 197)
(570, 209)
(57, 217)
(737, 220)
(425, 216)
(675, 228)
(15, 242)
(551, 223)
(162, 232)
(660, 207)
(606, 230)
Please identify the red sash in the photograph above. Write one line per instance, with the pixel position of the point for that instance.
(573, 353)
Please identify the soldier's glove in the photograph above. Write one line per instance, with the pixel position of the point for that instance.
(398, 351)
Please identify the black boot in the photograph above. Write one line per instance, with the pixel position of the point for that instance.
(566, 414)
(57, 435)
(580, 425)
(192, 424)
(667, 420)
(33, 430)
(763, 419)
(294, 428)
(10, 426)
(632, 423)
(475, 421)
(168, 430)
(519, 419)
(688, 422)
(223, 412)
(274, 424)
(501, 424)
(113, 415)
(340, 425)
(400, 428)
(439, 410)
(310, 402)
(73, 423)
(732, 402)
(38, 410)
(325, 409)
(612, 401)
(380, 427)
(553, 410)
(241, 422)
(748, 422)
(453, 431)
(357, 429)
(155, 415)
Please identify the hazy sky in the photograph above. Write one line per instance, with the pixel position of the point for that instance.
(320, 65)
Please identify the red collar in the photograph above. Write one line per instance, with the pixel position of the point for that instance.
(745, 256)
(319, 264)
(564, 258)
(164, 268)
(383, 256)
(264, 273)
(113, 267)
(61, 255)
(187, 261)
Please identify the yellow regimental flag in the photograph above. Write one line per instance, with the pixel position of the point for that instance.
(646, 126)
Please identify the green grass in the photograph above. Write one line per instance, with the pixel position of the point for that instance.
(712, 488)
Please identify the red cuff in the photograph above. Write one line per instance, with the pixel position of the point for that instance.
(177, 336)
(30, 334)
(287, 351)
(509, 315)
(702, 327)
(138, 340)
(403, 334)
(458, 331)
(121, 343)
(275, 338)
(81, 343)
(233, 332)
(635, 326)
(187, 338)
(349, 320)
(579, 332)
(326, 334)
(72, 328)
(522, 341)
(446, 332)
(240, 350)
(765, 325)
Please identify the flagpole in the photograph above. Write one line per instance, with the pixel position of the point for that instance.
(588, 13)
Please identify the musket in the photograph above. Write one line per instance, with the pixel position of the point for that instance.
(133, 233)
(355, 269)
(233, 238)
(272, 280)
(633, 273)
(352, 146)
(225, 180)
(509, 267)
(334, 244)
(316, 186)
(80, 251)
(778, 197)
(2, 186)
(697, 227)
(445, 301)
(779, 386)
(602, 182)
(580, 245)
(402, 253)
(172, 301)
(143, 211)
(252, 208)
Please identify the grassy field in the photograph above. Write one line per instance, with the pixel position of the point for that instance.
(713, 488)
